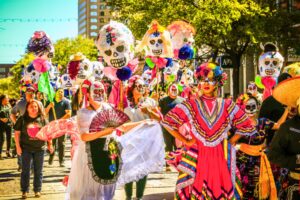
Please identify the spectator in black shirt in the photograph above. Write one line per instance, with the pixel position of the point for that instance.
(5, 124)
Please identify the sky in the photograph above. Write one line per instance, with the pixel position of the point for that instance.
(20, 18)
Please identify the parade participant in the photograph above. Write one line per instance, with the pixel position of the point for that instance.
(285, 148)
(81, 183)
(5, 124)
(62, 109)
(30, 148)
(166, 104)
(252, 162)
(204, 170)
(140, 108)
(252, 89)
(272, 109)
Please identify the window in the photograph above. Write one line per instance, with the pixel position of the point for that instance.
(93, 20)
(102, 13)
(81, 31)
(102, 20)
(82, 17)
(82, 24)
(93, 13)
(93, 34)
(93, 1)
(102, 7)
(108, 7)
(93, 6)
(82, 11)
(2, 70)
(82, 5)
(93, 27)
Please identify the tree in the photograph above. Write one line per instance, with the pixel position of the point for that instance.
(66, 47)
(227, 26)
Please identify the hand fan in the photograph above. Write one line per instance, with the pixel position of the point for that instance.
(108, 118)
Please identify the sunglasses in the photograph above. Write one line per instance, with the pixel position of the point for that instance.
(100, 91)
(140, 86)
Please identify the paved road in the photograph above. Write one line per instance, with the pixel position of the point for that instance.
(159, 186)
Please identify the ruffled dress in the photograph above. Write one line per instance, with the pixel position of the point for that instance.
(208, 169)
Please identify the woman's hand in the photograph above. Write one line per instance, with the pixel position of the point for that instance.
(190, 142)
(4, 120)
(19, 150)
(50, 148)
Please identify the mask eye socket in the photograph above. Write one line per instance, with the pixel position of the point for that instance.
(275, 63)
(152, 42)
(108, 52)
(120, 49)
(85, 67)
(160, 41)
(65, 78)
(267, 62)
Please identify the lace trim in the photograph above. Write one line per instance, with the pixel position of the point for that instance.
(94, 175)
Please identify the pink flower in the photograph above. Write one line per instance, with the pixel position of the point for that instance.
(38, 34)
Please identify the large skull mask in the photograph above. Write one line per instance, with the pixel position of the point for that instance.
(85, 71)
(270, 64)
(155, 44)
(251, 107)
(97, 70)
(31, 75)
(66, 81)
(115, 43)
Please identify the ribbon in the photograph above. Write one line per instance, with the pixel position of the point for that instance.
(269, 82)
(267, 186)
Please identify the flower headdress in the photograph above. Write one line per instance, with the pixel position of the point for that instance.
(212, 71)
(40, 44)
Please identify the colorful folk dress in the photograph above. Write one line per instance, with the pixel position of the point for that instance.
(207, 170)
(254, 167)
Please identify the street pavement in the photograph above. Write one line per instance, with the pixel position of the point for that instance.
(160, 186)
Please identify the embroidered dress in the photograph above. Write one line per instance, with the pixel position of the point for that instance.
(82, 185)
(207, 168)
(254, 166)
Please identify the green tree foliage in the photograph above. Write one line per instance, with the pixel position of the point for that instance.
(66, 47)
(227, 26)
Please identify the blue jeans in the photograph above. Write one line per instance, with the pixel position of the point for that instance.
(37, 159)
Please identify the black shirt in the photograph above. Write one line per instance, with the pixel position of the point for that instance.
(5, 113)
(29, 142)
(60, 109)
(272, 110)
(286, 145)
(167, 103)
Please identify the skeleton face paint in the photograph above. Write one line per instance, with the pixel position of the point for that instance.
(97, 70)
(270, 64)
(251, 107)
(140, 86)
(66, 81)
(85, 71)
(173, 91)
(97, 91)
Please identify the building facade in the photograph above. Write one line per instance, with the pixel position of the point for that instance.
(4, 70)
(92, 15)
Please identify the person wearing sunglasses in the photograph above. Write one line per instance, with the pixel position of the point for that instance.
(204, 169)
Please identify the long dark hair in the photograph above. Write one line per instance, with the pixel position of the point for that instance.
(3, 96)
(40, 111)
(76, 102)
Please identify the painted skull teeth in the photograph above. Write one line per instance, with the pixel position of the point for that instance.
(68, 84)
(269, 72)
(157, 52)
(118, 63)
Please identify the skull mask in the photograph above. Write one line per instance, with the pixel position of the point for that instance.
(186, 77)
(98, 91)
(173, 91)
(270, 64)
(115, 43)
(97, 70)
(85, 71)
(155, 44)
(252, 89)
(66, 81)
(146, 76)
(31, 75)
(251, 107)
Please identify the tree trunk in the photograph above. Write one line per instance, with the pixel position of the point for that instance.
(236, 61)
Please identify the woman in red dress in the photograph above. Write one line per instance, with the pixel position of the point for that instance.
(207, 168)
